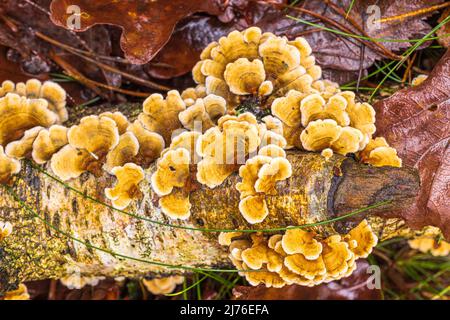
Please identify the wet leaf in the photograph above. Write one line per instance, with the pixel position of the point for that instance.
(416, 121)
(147, 25)
(353, 287)
(443, 33)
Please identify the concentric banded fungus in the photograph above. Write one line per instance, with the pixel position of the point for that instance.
(315, 107)
(431, 242)
(125, 151)
(151, 144)
(89, 143)
(378, 153)
(203, 113)
(254, 208)
(187, 140)
(323, 134)
(6, 229)
(297, 257)
(97, 135)
(173, 172)
(251, 64)
(365, 239)
(225, 238)
(50, 91)
(8, 167)
(22, 148)
(192, 94)
(47, 142)
(21, 293)
(270, 173)
(127, 187)
(166, 285)
(120, 120)
(336, 255)
(161, 115)
(303, 242)
(176, 205)
(69, 163)
(226, 146)
(18, 114)
(74, 281)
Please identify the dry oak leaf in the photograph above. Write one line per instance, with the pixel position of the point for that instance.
(146, 25)
(416, 122)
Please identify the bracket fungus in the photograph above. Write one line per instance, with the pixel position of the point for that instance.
(171, 175)
(300, 257)
(21, 293)
(48, 142)
(125, 151)
(119, 118)
(6, 229)
(378, 153)
(89, 143)
(161, 115)
(165, 285)
(50, 91)
(151, 144)
(19, 114)
(431, 241)
(22, 148)
(8, 166)
(127, 187)
(250, 64)
(203, 113)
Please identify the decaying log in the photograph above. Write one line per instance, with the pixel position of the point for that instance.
(318, 190)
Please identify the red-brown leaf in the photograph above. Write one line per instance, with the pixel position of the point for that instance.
(416, 121)
(147, 25)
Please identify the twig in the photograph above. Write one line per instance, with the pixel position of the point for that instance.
(353, 22)
(338, 25)
(414, 13)
(104, 66)
(93, 85)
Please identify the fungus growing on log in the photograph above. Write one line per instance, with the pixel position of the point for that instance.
(151, 144)
(241, 78)
(161, 115)
(19, 114)
(21, 293)
(120, 120)
(172, 174)
(301, 257)
(8, 166)
(48, 142)
(127, 187)
(22, 148)
(203, 113)
(6, 229)
(165, 285)
(89, 143)
(255, 64)
(125, 151)
(431, 241)
(50, 91)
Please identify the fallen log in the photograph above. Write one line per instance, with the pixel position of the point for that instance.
(61, 227)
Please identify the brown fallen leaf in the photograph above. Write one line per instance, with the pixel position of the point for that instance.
(146, 25)
(353, 287)
(416, 121)
(443, 33)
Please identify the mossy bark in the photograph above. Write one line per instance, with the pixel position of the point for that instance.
(318, 190)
